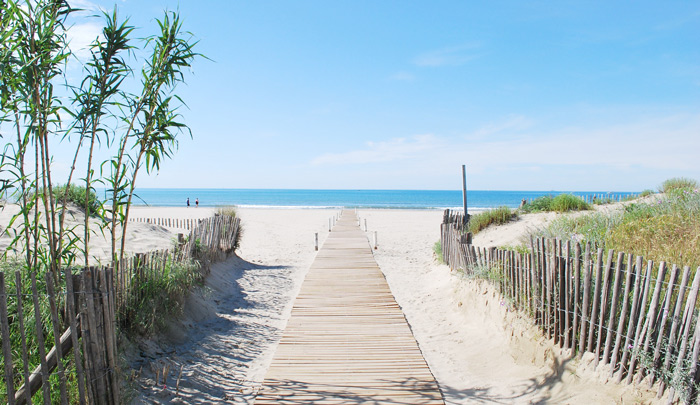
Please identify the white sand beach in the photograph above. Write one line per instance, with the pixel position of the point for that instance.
(477, 349)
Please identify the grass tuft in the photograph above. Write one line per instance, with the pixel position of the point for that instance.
(679, 183)
(560, 203)
(498, 216)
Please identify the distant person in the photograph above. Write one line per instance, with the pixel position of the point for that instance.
(196, 203)
(188, 202)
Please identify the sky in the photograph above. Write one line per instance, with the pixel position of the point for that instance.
(540, 95)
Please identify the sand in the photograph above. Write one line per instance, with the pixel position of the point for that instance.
(477, 348)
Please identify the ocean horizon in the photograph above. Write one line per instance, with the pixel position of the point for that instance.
(477, 200)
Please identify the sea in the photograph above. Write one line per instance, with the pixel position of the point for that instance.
(477, 200)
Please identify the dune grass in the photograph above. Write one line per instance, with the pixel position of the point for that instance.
(667, 229)
(497, 216)
(678, 183)
(560, 203)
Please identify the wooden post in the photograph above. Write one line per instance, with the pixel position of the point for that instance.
(375, 240)
(6, 347)
(329, 224)
(613, 307)
(604, 305)
(365, 224)
(465, 219)
(316, 241)
(639, 279)
(586, 297)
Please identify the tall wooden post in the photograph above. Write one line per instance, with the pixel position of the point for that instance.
(464, 192)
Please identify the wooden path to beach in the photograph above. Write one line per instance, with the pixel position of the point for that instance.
(347, 340)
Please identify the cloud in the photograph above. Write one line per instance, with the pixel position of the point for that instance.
(450, 56)
(520, 153)
(403, 76)
(380, 152)
(80, 36)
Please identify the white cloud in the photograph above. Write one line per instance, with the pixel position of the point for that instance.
(80, 36)
(517, 153)
(450, 56)
(385, 151)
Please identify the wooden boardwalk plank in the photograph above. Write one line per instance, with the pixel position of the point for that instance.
(347, 340)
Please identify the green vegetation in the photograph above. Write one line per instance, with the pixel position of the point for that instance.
(667, 229)
(437, 248)
(160, 296)
(498, 216)
(78, 196)
(95, 112)
(560, 203)
(678, 183)
(230, 211)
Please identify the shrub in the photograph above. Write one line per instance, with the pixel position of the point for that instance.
(76, 195)
(540, 204)
(678, 183)
(160, 296)
(568, 202)
(498, 216)
(560, 203)
(437, 248)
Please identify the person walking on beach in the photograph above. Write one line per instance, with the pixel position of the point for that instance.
(188, 202)
(196, 203)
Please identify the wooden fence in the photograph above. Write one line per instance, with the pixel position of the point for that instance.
(84, 311)
(635, 316)
(179, 223)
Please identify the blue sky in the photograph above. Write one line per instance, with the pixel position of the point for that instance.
(556, 95)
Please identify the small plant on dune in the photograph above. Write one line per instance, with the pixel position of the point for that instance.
(679, 183)
(230, 211)
(227, 211)
(498, 216)
(540, 204)
(437, 248)
(646, 193)
(560, 203)
(568, 202)
(78, 195)
(160, 296)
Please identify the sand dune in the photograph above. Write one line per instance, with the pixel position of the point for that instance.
(478, 351)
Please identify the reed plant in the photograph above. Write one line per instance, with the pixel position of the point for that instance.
(497, 216)
(34, 117)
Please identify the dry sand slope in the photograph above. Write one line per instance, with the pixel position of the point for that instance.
(228, 335)
(477, 350)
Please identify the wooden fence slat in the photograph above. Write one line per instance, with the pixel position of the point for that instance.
(72, 310)
(693, 373)
(586, 298)
(690, 307)
(674, 327)
(651, 315)
(40, 342)
(567, 298)
(640, 319)
(596, 298)
(613, 308)
(23, 337)
(577, 293)
(57, 337)
(629, 334)
(6, 347)
(623, 314)
(604, 304)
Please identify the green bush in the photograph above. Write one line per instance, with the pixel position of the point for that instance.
(437, 248)
(678, 183)
(667, 229)
(560, 203)
(76, 195)
(160, 296)
(568, 202)
(498, 216)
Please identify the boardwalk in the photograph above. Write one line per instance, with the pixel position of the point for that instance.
(347, 340)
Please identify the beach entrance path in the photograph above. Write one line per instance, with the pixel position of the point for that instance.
(347, 340)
